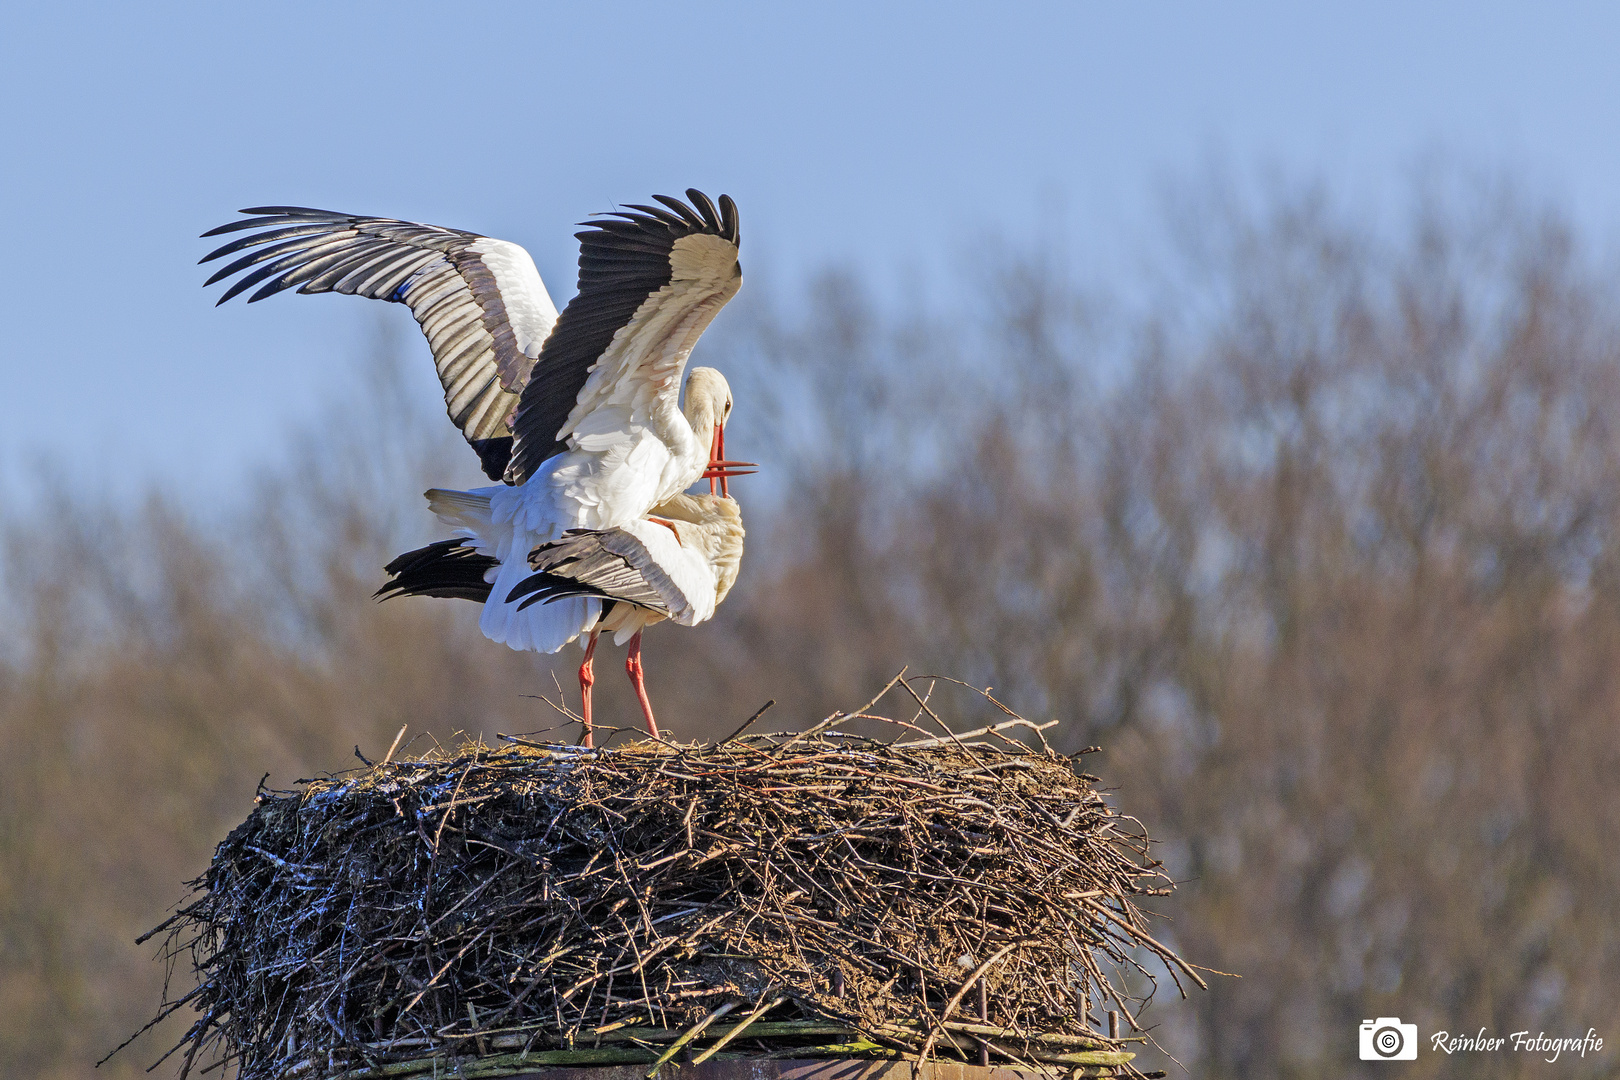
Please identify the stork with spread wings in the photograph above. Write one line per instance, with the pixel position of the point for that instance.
(578, 414)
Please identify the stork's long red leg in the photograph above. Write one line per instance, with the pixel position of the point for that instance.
(587, 679)
(632, 665)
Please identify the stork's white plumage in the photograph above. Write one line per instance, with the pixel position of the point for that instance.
(580, 489)
(676, 564)
(577, 413)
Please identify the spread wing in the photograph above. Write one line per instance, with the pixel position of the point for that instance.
(641, 564)
(480, 301)
(650, 280)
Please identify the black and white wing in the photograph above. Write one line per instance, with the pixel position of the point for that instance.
(650, 280)
(479, 300)
(450, 568)
(641, 563)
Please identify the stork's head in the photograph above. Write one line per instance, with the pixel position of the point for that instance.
(708, 399)
(708, 407)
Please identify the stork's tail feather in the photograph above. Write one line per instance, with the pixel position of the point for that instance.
(461, 509)
(460, 566)
(448, 568)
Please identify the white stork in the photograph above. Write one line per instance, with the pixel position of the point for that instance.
(578, 414)
(678, 563)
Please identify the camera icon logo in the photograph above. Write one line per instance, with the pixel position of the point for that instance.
(1387, 1039)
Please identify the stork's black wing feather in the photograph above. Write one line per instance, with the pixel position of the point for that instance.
(624, 259)
(581, 564)
(446, 568)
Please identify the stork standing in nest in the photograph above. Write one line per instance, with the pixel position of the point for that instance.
(577, 414)
(676, 564)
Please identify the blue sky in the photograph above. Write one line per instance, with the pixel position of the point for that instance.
(887, 137)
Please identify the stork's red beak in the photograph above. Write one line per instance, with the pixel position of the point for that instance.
(719, 468)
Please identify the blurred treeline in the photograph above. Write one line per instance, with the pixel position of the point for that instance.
(1316, 537)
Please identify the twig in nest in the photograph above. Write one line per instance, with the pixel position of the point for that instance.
(956, 998)
(697, 1029)
(394, 745)
(840, 717)
(761, 1009)
(748, 723)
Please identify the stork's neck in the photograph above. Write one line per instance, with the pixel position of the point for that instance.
(690, 437)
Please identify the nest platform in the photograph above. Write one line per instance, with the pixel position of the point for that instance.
(760, 906)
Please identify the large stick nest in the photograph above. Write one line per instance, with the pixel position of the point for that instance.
(547, 903)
